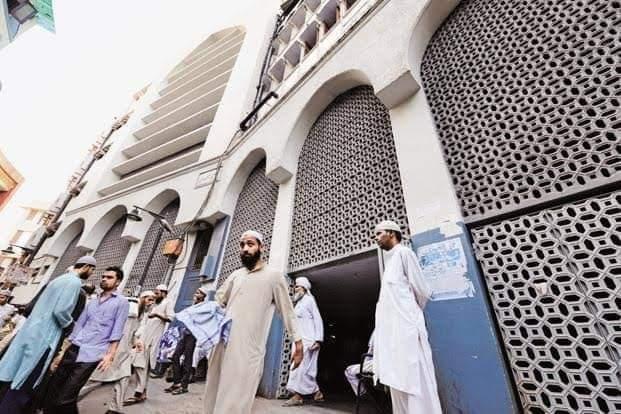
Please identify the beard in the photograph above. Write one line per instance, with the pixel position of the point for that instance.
(250, 260)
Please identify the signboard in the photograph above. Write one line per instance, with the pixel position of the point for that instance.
(45, 14)
(19, 274)
(446, 270)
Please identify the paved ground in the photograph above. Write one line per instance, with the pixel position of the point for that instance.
(160, 402)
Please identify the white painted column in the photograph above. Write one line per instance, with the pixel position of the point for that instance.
(281, 234)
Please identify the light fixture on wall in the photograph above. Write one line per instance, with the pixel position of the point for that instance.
(134, 215)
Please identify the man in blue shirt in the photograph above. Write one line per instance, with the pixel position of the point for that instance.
(94, 342)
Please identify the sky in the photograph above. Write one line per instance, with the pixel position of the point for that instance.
(61, 91)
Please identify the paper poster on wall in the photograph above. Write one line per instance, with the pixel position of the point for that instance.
(446, 269)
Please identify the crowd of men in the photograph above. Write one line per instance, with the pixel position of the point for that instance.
(70, 343)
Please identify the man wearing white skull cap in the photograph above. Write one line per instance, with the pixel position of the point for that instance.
(303, 380)
(402, 356)
(250, 296)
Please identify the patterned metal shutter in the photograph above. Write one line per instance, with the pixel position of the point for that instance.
(157, 269)
(112, 250)
(255, 210)
(69, 257)
(347, 181)
(555, 280)
(525, 95)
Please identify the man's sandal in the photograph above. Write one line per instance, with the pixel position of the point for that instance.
(172, 388)
(136, 399)
(180, 390)
(293, 402)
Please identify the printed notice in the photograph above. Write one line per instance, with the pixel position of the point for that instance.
(446, 270)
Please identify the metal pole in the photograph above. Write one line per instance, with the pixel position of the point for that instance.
(138, 287)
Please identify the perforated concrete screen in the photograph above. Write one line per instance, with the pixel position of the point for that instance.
(347, 181)
(112, 250)
(159, 263)
(555, 280)
(255, 210)
(71, 254)
(525, 95)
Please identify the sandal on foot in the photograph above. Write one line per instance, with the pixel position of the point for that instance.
(172, 388)
(136, 399)
(180, 390)
(318, 397)
(293, 402)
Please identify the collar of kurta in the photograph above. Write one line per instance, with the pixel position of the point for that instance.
(260, 265)
(113, 294)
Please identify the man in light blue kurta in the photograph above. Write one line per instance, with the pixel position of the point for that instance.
(39, 336)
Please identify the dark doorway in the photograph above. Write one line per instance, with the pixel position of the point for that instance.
(346, 292)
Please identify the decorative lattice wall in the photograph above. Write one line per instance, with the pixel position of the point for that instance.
(112, 250)
(525, 95)
(255, 210)
(69, 257)
(555, 280)
(157, 269)
(347, 181)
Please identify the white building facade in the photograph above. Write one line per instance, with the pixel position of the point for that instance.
(486, 128)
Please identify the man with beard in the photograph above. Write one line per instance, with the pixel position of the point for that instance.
(31, 351)
(402, 355)
(303, 380)
(162, 312)
(250, 295)
(94, 342)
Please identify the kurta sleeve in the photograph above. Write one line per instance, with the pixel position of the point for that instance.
(119, 322)
(317, 322)
(224, 292)
(415, 276)
(67, 298)
(169, 311)
(280, 292)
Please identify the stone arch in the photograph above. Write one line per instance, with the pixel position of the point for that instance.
(347, 180)
(285, 162)
(112, 249)
(93, 235)
(255, 209)
(236, 183)
(66, 248)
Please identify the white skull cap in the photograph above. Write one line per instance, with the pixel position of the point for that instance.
(86, 260)
(253, 233)
(162, 287)
(304, 282)
(388, 225)
(147, 293)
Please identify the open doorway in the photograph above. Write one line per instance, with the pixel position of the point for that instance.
(346, 292)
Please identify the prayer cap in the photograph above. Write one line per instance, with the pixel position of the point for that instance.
(162, 287)
(388, 225)
(147, 293)
(204, 290)
(86, 260)
(253, 233)
(304, 282)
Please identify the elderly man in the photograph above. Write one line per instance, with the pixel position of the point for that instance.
(249, 295)
(31, 351)
(182, 370)
(303, 380)
(353, 371)
(150, 334)
(402, 356)
(94, 342)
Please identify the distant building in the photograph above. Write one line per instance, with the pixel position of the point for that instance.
(17, 16)
(10, 180)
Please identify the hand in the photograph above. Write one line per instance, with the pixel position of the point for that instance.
(55, 363)
(106, 362)
(298, 354)
(315, 346)
(139, 345)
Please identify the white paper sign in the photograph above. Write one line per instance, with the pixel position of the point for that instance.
(446, 270)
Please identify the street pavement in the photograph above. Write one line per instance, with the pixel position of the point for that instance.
(159, 402)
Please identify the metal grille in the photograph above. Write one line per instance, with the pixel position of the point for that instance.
(555, 279)
(157, 269)
(112, 250)
(201, 247)
(69, 257)
(347, 181)
(255, 209)
(525, 95)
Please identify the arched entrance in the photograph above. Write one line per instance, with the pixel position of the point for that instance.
(112, 250)
(347, 180)
(70, 255)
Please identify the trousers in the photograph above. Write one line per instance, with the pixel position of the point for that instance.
(182, 371)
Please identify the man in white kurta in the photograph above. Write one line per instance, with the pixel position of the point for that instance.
(303, 380)
(402, 355)
(250, 295)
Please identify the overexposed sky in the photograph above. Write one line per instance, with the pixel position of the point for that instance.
(60, 91)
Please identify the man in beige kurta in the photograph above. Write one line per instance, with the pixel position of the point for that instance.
(250, 295)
